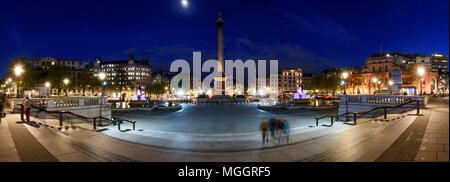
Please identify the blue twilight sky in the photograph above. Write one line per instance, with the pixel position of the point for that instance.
(314, 35)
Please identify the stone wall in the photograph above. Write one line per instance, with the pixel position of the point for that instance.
(361, 103)
(85, 106)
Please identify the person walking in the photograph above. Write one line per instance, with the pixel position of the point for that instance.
(279, 128)
(286, 130)
(272, 127)
(263, 127)
(27, 105)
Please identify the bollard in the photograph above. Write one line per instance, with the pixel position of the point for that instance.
(418, 107)
(385, 112)
(118, 126)
(331, 120)
(317, 122)
(354, 117)
(134, 125)
(60, 118)
(95, 124)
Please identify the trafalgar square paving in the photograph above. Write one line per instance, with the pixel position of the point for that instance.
(372, 139)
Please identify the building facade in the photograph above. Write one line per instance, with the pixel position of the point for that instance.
(439, 63)
(74, 67)
(290, 79)
(39, 63)
(125, 77)
(394, 72)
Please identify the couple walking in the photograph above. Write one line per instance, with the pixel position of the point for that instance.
(279, 129)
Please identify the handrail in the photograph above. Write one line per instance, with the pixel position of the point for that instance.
(368, 111)
(94, 119)
(121, 119)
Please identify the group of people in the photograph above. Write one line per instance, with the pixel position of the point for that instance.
(279, 129)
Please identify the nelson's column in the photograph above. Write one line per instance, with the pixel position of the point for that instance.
(219, 79)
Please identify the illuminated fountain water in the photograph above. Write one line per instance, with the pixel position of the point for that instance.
(138, 96)
(300, 94)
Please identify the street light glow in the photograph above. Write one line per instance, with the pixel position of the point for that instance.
(47, 84)
(18, 70)
(374, 80)
(102, 76)
(391, 82)
(421, 71)
(345, 75)
(66, 81)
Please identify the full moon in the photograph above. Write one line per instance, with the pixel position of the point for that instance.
(184, 3)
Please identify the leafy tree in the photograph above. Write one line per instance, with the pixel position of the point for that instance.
(28, 78)
(87, 80)
(56, 74)
(157, 89)
(326, 82)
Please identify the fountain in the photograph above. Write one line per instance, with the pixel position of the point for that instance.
(138, 96)
(300, 94)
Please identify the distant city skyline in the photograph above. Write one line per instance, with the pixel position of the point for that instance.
(311, 35)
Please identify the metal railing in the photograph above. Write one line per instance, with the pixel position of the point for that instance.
(120, 120)
(113, 121)
(385, 110)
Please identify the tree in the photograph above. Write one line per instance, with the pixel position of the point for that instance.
(326, 82)
(55, 74)
(157, 89)
(29, 78)
(87, 80)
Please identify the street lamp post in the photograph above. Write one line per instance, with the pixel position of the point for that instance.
(66, 82)
(421, 71)
(47, 84)
(390, 85)
(374, 84)
(18, 70)
(379, 85)
(345, 75)
(102, 76)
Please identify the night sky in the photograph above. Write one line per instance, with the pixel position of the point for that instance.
(314, 35)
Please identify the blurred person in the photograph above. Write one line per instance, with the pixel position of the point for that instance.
(264, 127)
(286, 130)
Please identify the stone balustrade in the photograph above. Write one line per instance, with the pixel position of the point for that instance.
(383, 99)
(361, 103)
(86, 106)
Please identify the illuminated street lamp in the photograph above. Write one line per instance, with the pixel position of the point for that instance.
(374, 80)
(421, 71)
(101, 76)
(47, 84)
(379, 84)
(390, 85)
(66, 82)
(18, 70)
(345, 75)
